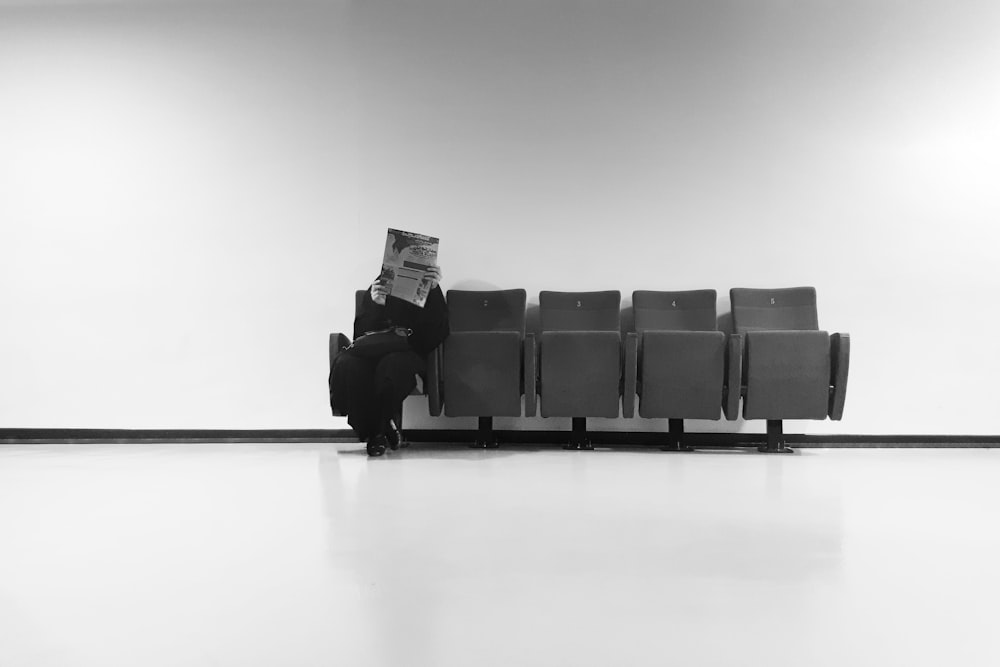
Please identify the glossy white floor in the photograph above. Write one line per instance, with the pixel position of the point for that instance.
(287, 555)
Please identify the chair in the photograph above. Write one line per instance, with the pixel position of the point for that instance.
(792, 369)
(488, 360)
(579, 358)
(677, 361)
(429, 386)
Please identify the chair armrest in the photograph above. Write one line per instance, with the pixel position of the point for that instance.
(631, 374)
(433, 388)
(840, 361)
(734, 377)
(338, 342)
(530, 361)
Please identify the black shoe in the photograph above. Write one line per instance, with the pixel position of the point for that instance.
(376, 445)
(393, 436)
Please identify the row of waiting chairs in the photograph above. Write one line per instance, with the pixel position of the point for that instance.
(675, 362)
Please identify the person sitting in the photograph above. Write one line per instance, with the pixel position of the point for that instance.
(370, 391)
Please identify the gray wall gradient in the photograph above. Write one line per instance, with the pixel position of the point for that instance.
(191, 191)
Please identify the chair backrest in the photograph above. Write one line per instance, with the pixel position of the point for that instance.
(787, 309)
(487, 310)
(689, 310)
(580, 311)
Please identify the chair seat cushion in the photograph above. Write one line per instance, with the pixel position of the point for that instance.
(787, 375)
(580, 373)
(482, 374)
(682, 374)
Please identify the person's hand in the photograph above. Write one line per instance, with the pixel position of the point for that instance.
(433, 276)
(379, 292)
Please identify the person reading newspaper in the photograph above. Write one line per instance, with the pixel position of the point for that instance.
(371, 391)
(405, 263)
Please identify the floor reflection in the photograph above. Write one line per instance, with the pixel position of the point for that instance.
(314, 554)
(448, 542)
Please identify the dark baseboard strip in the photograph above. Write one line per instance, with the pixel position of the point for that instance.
(513, 437)
(709, 440)
(110, 435)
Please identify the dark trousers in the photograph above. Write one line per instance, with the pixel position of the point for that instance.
(371, 391)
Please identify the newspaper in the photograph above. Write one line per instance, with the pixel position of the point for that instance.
(404, 265)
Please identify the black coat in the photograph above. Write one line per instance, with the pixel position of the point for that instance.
(429, 324)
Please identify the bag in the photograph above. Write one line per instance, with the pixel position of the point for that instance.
(377, 344)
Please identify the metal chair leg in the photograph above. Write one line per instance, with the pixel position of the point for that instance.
(578, 437)
(675, 437)
(775, 439)
(486, 438)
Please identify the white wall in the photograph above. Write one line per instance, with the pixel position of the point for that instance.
(190, 192)
(175, 179)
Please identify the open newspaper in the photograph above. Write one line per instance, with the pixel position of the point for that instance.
(404, 265)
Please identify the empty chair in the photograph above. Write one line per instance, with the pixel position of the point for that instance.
(792, 369)
(488, 361)
(579, 357)
(678, 362)
(429, 385)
